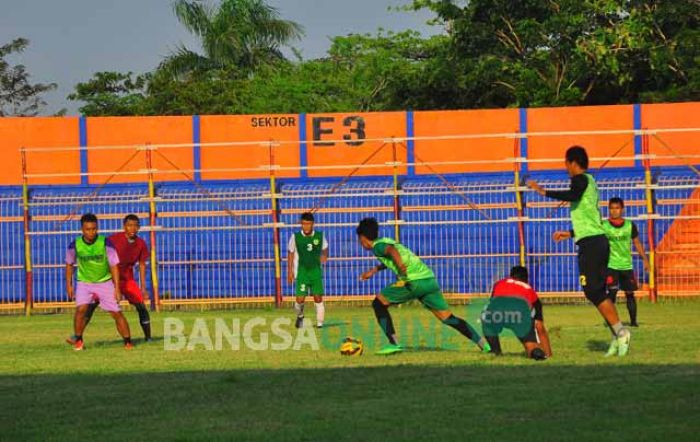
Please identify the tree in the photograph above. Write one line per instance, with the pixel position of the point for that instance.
(237, 37)
(112, 93)
(18, 96)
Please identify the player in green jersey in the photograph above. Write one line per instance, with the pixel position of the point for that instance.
(593, 246)
(307, 253)
(415, 281)
(622, 233)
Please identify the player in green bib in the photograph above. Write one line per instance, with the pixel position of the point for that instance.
(415, 281)
(307, 252)
(622, 233)
(593, 246)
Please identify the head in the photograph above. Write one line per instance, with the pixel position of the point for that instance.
(307, 223)
(367, 232)
(131, 226)
(519, 273)
(616, 207)
(576, 161)
(88, 224)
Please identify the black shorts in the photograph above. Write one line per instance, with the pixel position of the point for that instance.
(621, 280)
(593, 254)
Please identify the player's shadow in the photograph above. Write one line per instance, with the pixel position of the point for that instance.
(596, 345)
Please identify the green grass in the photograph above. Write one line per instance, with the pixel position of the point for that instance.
(442, 389)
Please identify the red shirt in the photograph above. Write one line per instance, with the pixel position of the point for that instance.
(129, 253)
(514, 288)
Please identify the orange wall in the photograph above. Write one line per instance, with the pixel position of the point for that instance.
(341, 139)
(584, 118)
(39, 132)
(336, 143)
(445, 123)
(666, 116)
(116, 131)
(226, 128)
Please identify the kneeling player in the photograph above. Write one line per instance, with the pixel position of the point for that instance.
(512, 298)
(416, 281)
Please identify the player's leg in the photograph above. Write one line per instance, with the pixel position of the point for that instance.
(396, 293)
(628, 283)
(491, 330)
(301, 290)
(429, 293)
(613, 284)
(131, 291)
(108, 303)
(83, 299)
(318, 292)
(89, 311)
(593, 257)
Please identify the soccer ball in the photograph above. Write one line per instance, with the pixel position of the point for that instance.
(351, 347)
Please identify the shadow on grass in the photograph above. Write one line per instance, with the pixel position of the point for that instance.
(598, 346)
(399, 402)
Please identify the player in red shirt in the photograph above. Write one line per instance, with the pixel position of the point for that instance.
(515, 305)
(131, 250)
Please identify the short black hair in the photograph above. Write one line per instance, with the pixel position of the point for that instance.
(519, 273)
(131, 217)
(88, 218)
(616, 200)
(578, 155)
(307, 216)
(369, 228)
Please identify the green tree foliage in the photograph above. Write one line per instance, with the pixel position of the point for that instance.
(18, 96)
(493, 53)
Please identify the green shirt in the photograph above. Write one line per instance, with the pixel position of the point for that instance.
(415, 268)
(93, 260)
(585, 214)
(620, 239)
(307, 256)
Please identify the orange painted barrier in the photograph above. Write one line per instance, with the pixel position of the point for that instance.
(16, 133)
(113, 131)
(448, 123)
(239, 128)
(333, 144)
(668, 116)
(583, 118)
(341, 139)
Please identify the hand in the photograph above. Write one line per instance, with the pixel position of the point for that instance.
(117, 294)
(145, 293)
(532, 184)
(561, 235)
(368, 274)
(646, 266)
(290, 277)
(70, 292)
(324, 259)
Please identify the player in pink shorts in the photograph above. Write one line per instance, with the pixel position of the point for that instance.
(131, 250)
(98, 279)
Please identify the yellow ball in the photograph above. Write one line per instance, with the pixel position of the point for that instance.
(351, 347)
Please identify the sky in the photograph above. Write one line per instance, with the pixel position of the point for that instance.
(70, 40)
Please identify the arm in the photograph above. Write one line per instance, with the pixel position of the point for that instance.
(114, 270)
(640, 249)
(142, 277)
(544, 338)
(70, 262)
(291, 250)
(392, 253)
(373, 271)
(69, 281)
(290, 267)
(113, 259)
(579, 183)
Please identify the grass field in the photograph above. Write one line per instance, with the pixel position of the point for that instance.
(441, 389)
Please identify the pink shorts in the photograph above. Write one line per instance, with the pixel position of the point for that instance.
(102, 292)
